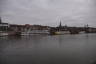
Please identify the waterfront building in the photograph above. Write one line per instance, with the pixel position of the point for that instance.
(40, 27)
(15, 27)
(89, 29)
(3, 26)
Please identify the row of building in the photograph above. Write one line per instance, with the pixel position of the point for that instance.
(39, 28)
(26, 27)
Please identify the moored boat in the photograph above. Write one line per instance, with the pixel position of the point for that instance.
(3, 34)
(61, 32)
(35, 32)
(17, 33)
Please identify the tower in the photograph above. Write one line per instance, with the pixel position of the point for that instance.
(60, 25)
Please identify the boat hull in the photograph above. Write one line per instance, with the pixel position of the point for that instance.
(61, 32)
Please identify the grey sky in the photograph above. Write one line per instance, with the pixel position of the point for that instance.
(49, 12)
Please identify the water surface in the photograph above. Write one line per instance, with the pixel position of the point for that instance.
(46, 49)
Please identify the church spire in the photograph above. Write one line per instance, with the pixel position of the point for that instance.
(60, 25)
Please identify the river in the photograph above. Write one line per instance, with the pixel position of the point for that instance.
(46, 49)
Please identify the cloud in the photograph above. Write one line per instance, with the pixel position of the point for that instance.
(48, 12)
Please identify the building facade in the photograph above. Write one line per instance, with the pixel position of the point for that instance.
(3, 26)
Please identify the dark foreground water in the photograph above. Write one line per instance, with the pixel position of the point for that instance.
(45, 49)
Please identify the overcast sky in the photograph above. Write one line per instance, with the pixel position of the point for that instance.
(49, 12)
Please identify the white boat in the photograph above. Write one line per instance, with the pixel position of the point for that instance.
(62, 32)
(82, 32)
(3, 34)
(35, 32)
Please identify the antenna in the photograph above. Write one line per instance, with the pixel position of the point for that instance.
(0, 20)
